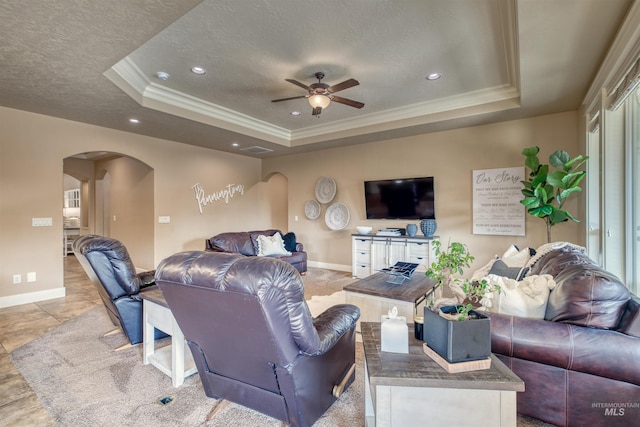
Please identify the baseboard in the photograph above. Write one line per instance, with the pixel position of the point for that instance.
(31, 297)
(329, 266)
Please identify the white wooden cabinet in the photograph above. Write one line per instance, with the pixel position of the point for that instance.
(371, 254)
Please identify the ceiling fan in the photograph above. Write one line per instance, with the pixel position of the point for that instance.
(321, 94)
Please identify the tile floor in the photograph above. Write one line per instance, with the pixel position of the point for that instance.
(19, 406)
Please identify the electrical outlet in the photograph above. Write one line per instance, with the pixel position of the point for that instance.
(31, 277)
(164, 219)
(17, 278)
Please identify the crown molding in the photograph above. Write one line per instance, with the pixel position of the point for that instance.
(482, 101)
(624, 50)
(129, 78)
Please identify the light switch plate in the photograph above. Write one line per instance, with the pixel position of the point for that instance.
(164, 219)
(41, 222)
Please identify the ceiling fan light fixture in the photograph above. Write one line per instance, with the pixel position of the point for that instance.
(321, 101)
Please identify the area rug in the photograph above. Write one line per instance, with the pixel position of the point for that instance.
(81, 381)
(318, 304)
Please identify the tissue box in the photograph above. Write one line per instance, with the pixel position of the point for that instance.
(394, 334)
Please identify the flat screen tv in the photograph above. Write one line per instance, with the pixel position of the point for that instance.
(407, 198)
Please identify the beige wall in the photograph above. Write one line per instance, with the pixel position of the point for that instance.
(450, 157)
(32, 149)
(131, 215)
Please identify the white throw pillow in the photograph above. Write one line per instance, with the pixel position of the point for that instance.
(518, 259)
(526, 298)
(271, 245)
(511, 251)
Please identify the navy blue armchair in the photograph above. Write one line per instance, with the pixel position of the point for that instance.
(108, 265)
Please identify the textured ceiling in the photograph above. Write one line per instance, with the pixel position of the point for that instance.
(96, 62)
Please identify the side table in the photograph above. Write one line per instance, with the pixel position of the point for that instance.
(413, 390)
(172, 359)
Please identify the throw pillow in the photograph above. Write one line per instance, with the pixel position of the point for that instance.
(482, 272)
(525, 298)
(518, 259)
(271, 246)
(499, 268)
(511, 251)
(289, 240)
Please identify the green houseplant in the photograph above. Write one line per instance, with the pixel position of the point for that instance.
(457, 333)
(452, 261)
(546, 191)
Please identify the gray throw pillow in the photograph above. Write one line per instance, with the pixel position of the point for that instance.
(499, 268)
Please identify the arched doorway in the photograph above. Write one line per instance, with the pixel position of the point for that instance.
(117, 200)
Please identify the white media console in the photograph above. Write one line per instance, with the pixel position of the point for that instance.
(372, 253)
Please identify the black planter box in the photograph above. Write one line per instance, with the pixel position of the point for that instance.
(458, 341)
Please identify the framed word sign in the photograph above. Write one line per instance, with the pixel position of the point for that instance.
(496, 202)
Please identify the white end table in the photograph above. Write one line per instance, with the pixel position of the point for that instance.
(172, 359)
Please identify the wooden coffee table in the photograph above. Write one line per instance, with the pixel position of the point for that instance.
(413, 390)
(375, 296)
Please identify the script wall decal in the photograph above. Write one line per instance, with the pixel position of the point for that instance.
(225, 194)
(496, 202)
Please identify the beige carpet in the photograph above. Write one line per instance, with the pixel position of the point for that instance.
(81, 381)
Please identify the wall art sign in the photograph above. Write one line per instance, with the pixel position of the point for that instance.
(496, 202)
(225, 194)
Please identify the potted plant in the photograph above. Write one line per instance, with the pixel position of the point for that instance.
(457, 332)
(545, 192)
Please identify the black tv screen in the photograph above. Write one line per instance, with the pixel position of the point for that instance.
(407, 198)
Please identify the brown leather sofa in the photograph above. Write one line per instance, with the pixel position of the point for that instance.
(245, 243)
(581, 364)
(252, 335)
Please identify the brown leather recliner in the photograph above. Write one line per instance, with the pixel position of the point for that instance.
(580, 365)
(252, 335)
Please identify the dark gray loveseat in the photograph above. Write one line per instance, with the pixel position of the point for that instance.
(245, 243)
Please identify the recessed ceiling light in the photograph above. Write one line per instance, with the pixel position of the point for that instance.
(235, 144)
(434, 76)
(162, 75)
(198, 70)
(134, 121)
(295, 113)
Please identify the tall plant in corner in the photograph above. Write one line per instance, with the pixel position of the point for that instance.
(546, 191)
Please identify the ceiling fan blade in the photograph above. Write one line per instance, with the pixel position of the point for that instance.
(287, 99)
(297, 83)
(344, 85)
(348, 102)
(316, 111)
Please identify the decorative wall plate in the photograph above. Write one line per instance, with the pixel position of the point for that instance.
(325, 189)
(312, 209)
(337, 216)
